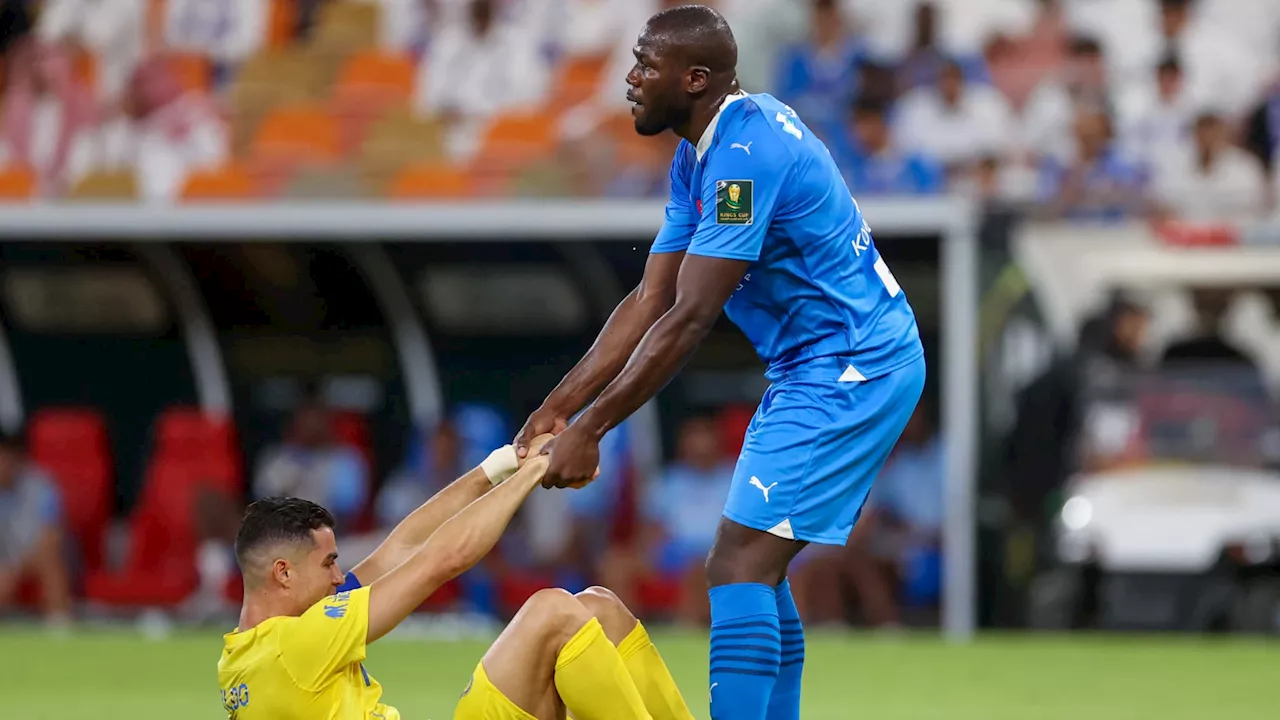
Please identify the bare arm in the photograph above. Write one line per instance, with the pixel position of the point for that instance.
(457, 545)
(633, 317)
(408, 536)
(703, 287)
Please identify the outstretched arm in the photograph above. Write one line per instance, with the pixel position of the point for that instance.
(409, 536)
(457, 545)
(633, 317)
(704, 285)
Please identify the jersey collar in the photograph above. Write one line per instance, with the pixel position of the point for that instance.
(708, 135)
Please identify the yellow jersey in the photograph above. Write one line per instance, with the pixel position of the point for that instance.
(304, 668)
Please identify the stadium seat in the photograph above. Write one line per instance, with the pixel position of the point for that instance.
(190, 435)
(325, 183)
(428, 180)
(17, 184)
(396, 140)
(658, 595)
(346, 27)
(351, 428)
(733, 422)
(160, 570)
(305, 132)
(514, 140)
(577, 80)
(106, 187)
(515, 588)
(282, 21)
(372, 72)
(231, 182)
(72, 444)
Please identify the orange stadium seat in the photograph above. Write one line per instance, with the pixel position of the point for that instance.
(578, 80)
(514, 141)
(72, 444)
(17, 184)
(303, 131)
(231, 182)
(281, 22)
(422, 181)
(373, 72)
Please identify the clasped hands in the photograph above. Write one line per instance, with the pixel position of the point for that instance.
(574, 456)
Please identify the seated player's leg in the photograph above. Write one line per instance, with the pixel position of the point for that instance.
(657, 688)
(553, 656)
(810, 456)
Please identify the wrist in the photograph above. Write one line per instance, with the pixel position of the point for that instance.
(591, 425)
(501, 464)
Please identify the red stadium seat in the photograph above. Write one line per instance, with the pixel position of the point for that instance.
(351, 428)
(658, 595)
(161, 569)
(516, 588)
(71, 443)
(188, 434)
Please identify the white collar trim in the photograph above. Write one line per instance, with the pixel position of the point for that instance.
(704, 142)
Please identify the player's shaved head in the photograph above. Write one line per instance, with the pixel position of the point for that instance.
(697, 34)
(686, 63)
(275, 526)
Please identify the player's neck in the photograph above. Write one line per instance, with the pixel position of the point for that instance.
(259, 609)
(702, 114)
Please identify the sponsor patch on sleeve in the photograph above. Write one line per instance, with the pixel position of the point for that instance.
(734, 202)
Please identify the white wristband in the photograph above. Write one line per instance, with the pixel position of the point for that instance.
(501, 464)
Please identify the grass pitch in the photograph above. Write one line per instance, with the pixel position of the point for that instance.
(110, 675)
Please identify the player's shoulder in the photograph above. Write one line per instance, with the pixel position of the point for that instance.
(762, 127)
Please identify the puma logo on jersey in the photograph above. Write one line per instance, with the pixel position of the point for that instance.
(755, 482)
(744, 148)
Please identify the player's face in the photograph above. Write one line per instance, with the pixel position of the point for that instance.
(319, 574)
(658, 100)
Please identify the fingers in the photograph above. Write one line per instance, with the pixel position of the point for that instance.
(538, 445)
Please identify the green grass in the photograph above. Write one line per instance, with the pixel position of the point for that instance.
(101, 676)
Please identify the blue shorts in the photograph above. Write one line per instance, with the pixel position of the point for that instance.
(815, 446)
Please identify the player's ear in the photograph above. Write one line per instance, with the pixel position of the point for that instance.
(281, 571)
(697, 78)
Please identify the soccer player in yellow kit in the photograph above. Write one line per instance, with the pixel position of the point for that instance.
(299, 650)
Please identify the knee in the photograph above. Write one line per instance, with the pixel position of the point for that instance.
(557, 612)
(614, 616)
(732, 561)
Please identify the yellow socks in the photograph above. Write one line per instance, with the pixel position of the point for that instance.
(652, 678)
(592, 680)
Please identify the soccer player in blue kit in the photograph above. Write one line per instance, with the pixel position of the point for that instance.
(759, 223)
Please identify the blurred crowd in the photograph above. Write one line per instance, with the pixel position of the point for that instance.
(1088, 110)
(644, 532)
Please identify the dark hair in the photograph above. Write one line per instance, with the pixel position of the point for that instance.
(12, 441)
(870, 105)
(701, 33)
(1169, 63)
(278, 520)
(1084, 45)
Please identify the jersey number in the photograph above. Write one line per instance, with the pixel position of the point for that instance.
(789, 127)
(235, 698)
(861, 244)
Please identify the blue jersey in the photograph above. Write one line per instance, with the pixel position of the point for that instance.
(760, 186)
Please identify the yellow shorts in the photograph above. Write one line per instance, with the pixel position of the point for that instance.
(482, 701)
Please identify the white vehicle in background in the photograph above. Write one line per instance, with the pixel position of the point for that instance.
(1173, 521)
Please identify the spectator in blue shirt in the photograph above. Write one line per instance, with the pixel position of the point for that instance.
(681, 511)
(819, 77)
(925, 62)
(873, 164)
(31, 533)
(1100, 183)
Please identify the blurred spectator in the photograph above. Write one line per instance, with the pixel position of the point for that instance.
(819, 77)
(926, 61)
(874, 164)
(1221, 71)
(481, 66)
(433, 462)
(1099, 183)
(1262, 128)
(1054, 103)
(1212, 180)
(1019, 62)
(594, 27)
(226, 31)
(1155, 119)
(900, 532)
(114, 31)
(311, 465)
(16, 21)
(1206, 345)
(48, 117)
(682, 510)
(31, 533)
(954, 122)
(168, 133)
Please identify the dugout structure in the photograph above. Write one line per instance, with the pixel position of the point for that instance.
(953, 222)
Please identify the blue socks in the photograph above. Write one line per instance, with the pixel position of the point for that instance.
(784, 704)
(746, 650)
